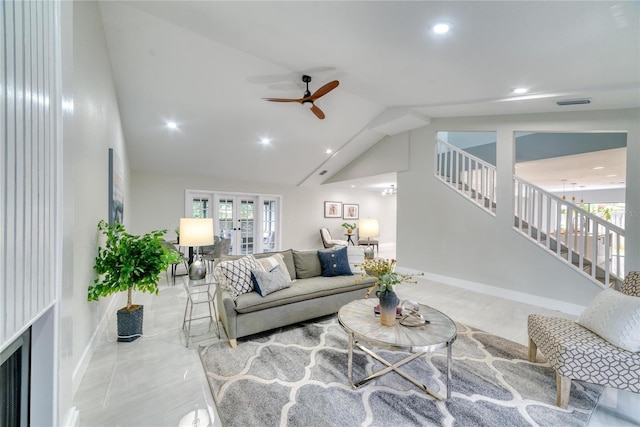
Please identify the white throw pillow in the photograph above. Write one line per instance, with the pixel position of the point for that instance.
(355, 254)
(272, 261)
(235, 276)
(615, 317)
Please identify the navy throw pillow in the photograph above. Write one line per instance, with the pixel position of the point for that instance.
(335, 262)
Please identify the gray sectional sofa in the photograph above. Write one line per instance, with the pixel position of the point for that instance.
(310, 295)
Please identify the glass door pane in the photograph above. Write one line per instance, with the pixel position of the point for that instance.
(245, 225)
(269, 212)
(225, 220)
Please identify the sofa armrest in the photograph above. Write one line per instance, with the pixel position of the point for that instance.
(227, 312)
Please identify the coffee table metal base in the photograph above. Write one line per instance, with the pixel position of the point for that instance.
(394, 367)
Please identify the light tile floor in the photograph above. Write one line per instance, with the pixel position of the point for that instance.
(157, 381)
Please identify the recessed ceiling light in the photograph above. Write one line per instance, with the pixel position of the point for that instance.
(172, 125)
(598, 168)
(329, 151)
(353, 186)
(265, 141)
(441, 28)
(520, 90)
(612, 175)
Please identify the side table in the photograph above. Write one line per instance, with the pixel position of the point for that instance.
(358, 320)
(199, 292)
(349, 239)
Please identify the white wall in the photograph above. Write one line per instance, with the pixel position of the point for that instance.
(157, 202)
(442, 233)
(89, 131)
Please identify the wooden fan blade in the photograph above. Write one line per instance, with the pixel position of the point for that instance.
(318, 112)
(324, 90)
(282, 100)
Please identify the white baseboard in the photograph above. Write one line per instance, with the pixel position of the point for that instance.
(83, 363)
(495, 291)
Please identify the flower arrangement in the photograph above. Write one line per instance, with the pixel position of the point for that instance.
(384, 270)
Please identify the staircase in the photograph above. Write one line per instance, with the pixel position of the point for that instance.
(586, 242)
(470, 176)
(590, 244)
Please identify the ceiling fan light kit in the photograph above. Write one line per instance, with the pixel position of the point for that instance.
(308, 98)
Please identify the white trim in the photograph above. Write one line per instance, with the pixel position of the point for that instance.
(83, 363)
(495, 291)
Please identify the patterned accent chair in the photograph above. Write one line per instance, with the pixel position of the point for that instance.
(576, 353)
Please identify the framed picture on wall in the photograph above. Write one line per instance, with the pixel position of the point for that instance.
(350, 211)
(332, 209)
(116, 188)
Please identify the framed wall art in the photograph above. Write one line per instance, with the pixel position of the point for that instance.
(332, 209)
(116, 188)
(350, 211)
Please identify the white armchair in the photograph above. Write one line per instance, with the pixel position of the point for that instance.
(328, 241)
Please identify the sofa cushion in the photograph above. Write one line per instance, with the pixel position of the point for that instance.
(268, 282)
(235, 276)
(615, 317)
(276, 260)
(307, 264)
(300, 290)
(334, 262)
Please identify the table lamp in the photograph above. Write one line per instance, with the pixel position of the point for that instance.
(196, 232)
(369, 228)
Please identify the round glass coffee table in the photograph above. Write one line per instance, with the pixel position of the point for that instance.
(358, 320)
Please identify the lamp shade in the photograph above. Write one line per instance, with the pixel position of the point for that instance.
(369, 227)
(196, 231)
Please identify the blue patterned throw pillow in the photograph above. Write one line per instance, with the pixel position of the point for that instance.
(235, 276)
(335, 262)
(267, 282)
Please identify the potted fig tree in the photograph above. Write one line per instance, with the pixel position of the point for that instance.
(126, 263)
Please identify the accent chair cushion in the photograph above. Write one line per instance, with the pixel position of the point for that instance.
(235, 276)
(275, 260)
(267, 282)
(615, 317)
(631, 284)
(307, 264)
(334, 262)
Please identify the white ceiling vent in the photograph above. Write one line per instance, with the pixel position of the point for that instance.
(392, 121)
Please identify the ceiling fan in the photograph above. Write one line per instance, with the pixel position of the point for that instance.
(308, 98)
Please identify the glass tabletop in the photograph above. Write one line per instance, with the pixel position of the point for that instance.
(358, 318)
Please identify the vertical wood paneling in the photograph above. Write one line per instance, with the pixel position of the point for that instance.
(28, 119)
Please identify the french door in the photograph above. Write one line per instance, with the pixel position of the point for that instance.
(237, 221)
(251, 221)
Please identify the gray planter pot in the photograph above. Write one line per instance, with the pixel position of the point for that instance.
(130, 323)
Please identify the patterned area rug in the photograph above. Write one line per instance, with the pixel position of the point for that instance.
(297, 376)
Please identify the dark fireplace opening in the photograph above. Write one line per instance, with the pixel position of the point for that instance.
(15, 383)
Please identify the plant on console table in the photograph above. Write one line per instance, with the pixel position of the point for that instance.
(349, 227)
(128, 262)
(384, 271)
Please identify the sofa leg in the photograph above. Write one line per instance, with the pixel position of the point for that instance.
(233, 342)
(563, 388)
(533, 349)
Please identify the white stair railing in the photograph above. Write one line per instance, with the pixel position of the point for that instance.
(470, 176)
(584, 240)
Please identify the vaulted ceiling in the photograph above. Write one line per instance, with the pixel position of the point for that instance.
(206, 65)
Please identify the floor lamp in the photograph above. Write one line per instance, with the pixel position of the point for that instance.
(196, 232)
(369, 228)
